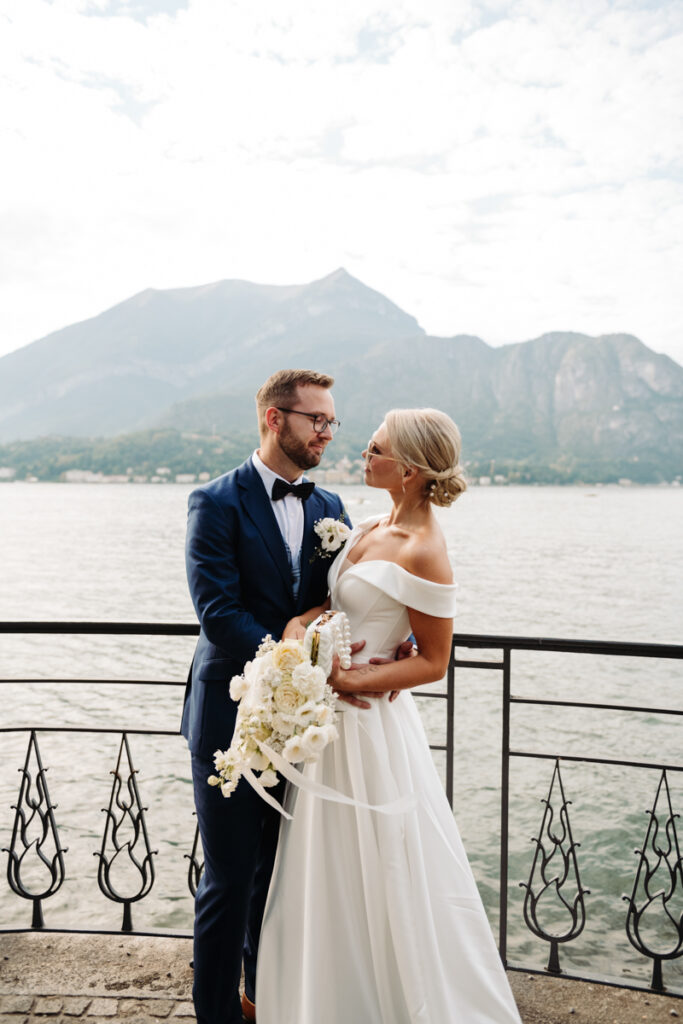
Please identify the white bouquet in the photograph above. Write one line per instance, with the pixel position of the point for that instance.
(286, 714)
(285, 706)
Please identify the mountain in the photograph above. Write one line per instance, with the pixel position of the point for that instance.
(191, 359)
(561, 396)
(561, 392)
(122, 369)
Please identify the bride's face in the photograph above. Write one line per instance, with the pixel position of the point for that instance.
(382, 469)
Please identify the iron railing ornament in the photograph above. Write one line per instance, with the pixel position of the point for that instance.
(34, 814)
(486, 662)
(125, 816)
(556, 868)
(658, 882)
(196, 867)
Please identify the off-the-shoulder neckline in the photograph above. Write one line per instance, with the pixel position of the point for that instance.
(386, 561)
(373, 521)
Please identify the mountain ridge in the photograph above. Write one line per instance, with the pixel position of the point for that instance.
(192, 358)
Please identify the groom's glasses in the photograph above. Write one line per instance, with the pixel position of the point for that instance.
(320, 422)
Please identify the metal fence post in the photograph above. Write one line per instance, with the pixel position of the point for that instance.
(450, 724)
(504, 809)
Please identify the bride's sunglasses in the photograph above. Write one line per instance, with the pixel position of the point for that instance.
(372, 451)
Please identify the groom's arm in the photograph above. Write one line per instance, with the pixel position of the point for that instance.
(214, 579)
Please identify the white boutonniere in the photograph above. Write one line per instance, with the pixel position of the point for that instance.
(333, 535)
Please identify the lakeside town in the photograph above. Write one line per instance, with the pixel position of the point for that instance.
(164, 456)
(343, 472)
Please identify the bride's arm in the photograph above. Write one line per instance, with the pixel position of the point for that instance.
(296, 627)
(434, 638)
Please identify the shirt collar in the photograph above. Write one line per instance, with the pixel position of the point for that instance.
(267, 475)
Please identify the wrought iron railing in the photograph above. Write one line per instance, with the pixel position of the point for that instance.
(658, 880)
(554, 871)
(35, 835)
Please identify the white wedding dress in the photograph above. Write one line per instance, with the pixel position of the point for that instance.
(375, 918)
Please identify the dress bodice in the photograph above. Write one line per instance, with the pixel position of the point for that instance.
(376, 594)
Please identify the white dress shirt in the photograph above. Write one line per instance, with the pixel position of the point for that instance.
(289, 511)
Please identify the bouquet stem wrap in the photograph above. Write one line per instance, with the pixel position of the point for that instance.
(297, 778)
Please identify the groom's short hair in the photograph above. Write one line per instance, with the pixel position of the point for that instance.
(281, 388)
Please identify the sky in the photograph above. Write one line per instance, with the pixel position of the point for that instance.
(501, 168)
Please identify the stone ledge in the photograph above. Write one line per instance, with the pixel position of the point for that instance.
(545, 1000)
(60, 979)
(96, 966)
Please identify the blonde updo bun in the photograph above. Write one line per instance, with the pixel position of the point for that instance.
(429, 440)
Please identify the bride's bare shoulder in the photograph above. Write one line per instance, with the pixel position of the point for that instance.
(427, 556)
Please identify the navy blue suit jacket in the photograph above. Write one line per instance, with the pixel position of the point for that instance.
(241, 587)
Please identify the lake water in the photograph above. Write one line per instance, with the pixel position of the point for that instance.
(597, 563)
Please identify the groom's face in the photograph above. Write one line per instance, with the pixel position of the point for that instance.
(297, 438)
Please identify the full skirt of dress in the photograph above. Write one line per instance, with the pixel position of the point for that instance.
(375, 918)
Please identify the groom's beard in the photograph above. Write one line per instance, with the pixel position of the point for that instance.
(297, 450)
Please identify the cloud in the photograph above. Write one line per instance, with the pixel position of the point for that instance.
(499, 168)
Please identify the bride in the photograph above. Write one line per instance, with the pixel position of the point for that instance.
(375, 917)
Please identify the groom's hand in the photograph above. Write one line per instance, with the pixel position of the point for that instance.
(357, 699)
(405, 650)
(295, 629)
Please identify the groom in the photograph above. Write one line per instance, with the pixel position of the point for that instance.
(252, 564)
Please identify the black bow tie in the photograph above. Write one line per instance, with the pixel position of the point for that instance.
(303, 491)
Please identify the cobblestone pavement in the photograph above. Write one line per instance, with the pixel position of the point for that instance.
(61, 979)
(24, 1009)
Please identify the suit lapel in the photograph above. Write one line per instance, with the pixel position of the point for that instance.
(257, 506)
(314, 509)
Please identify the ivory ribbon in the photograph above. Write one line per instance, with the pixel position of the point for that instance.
(289, 772)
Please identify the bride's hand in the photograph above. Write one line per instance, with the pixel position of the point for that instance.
(404, 650)
(295, 629)
(339, 681)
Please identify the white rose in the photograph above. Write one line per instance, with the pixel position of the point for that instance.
(287, 655)
(287, 697)
(268, 778)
